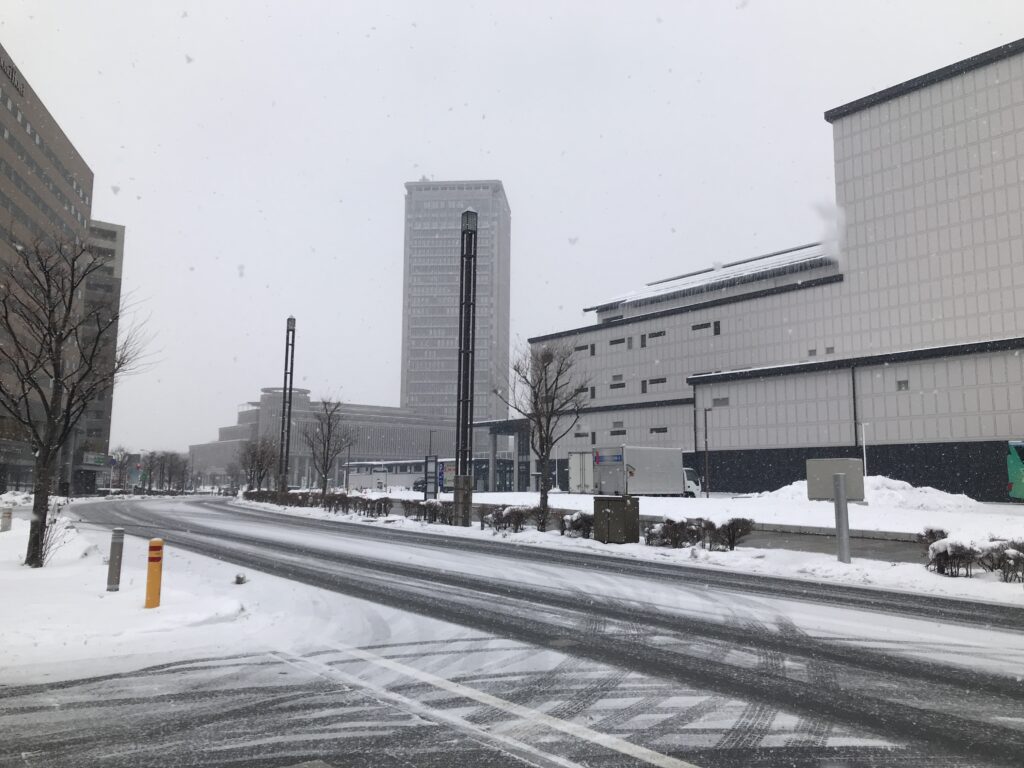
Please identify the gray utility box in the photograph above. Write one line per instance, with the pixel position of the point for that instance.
(819, 478)
(616, 519)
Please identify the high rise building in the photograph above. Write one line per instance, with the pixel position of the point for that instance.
(430, 332)
(46, 191)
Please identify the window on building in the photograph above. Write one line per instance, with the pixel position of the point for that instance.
(718, 328)
(700, 327)
(655, 334)
(643, 387)
(593, 392)
(593, 350)
(659, 430)
(629, 342)
(660, 380)
(902, 385)
(617, 377)
(620, 385)
(812, 352)
(580, 434)
(829, 350)
(582, 348)
(617, 424)
(643, 340)
(719, 402)
(613, 342)
(593, 438)
(617, 432)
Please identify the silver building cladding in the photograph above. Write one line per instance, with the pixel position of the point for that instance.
(430, 296)
(907, 335)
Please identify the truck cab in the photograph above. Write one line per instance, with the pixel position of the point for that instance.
(692, 483)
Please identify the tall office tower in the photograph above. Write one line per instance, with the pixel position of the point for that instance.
(430, 310)
(46, 191)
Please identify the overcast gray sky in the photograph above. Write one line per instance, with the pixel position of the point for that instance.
(256, 153)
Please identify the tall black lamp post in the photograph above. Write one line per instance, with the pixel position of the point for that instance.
(284, 445)
(467, 348)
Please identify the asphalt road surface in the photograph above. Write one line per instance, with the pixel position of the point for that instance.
(556, 658)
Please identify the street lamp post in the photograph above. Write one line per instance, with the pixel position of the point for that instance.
(465, 388)
(707, 462)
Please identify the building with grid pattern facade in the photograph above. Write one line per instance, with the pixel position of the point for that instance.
(430, 306)
(908, 334)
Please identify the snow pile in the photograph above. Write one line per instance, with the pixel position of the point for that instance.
(888, 493)
(16, 498)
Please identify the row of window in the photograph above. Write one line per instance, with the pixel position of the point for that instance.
(617, 430)
(50, 155)
(627, 340)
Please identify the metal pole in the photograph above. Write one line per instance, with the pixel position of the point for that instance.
(465, 387)
(707, 462)
(842, 517)
(864, 447)
(114, 562)
(348, 466)
(284, 446)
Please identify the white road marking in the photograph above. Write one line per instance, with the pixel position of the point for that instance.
(527, 753)
(530, 715)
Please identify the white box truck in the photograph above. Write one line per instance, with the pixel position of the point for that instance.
(581, 472)
(642, 471)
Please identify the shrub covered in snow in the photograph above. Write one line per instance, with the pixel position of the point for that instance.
(579, 523)
(731, 531)
(954, 555)
(696, 531)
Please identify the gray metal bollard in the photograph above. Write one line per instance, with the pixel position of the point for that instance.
(114, 564)
(842, 517)
(5, 519)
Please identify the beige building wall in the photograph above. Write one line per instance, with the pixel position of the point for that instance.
(930, 184)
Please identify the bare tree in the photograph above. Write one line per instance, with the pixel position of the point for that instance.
(59, 353)
(257, 459)
(122, 461)
(149, 464)
(327, 436)
(547, 389)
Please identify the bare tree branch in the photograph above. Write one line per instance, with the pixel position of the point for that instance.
(58, 352)
(327, 436)
(548, 391)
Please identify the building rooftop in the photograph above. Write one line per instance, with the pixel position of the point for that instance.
(764, 267)
(952, 70)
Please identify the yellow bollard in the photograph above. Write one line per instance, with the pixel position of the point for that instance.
(156, 566)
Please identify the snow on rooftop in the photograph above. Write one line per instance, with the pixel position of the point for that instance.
(749, 270)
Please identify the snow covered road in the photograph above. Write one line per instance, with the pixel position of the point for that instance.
(563, 661)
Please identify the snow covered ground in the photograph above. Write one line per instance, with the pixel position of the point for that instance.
(892, 506)
(59, 622)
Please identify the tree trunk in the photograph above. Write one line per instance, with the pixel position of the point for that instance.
(42, 477)
(323, 490)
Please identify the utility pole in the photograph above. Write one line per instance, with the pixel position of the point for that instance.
(284, 446)
(467, 351)
(707, 462)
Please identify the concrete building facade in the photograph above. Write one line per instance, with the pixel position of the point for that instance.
(430, 310)
(382, 434)
(46, 191)
(907, 335)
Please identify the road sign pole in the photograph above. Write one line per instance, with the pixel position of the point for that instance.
(842, 517)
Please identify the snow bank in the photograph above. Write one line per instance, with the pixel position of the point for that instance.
(59, 622)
